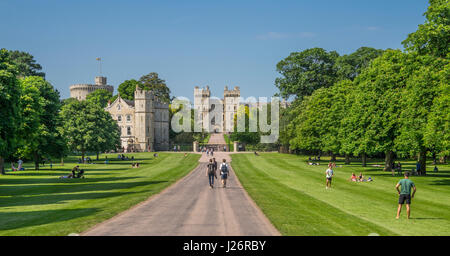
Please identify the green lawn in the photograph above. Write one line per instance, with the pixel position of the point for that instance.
(38, 203)
(292, 195)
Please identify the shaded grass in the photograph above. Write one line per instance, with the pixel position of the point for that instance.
(292, 194)
(39, 203)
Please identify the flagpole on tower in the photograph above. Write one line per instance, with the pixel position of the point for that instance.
(99, 64)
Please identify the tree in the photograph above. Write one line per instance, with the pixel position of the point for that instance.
(306, 71)
(40, 105)
(436, 135)
(350, 66)
(87, 127)
(158, 86)
(432, 37)
(26, 64)
(421, 89)
(9, 107)
(127, 88)
(247, 136)
(100, 97)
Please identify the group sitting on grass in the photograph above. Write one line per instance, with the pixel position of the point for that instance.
(359, 178)
(76, 173)
(134, 165)
(124, 157)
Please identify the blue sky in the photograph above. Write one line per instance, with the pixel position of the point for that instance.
(195, 43)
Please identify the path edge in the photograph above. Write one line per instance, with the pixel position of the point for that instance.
(273, 230)
(149, 199)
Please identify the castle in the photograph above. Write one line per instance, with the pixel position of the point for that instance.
(144, 122)
(80, 91)
(214, 114)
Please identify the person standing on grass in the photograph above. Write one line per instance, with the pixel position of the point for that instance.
(329, 174)
(405, 194)
(211, 173)
(224, 172)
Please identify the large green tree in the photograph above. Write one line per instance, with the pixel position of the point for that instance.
(40, 105)
(304, 72)
(127, 88)
(432, 37)
(100, 97)
(26, 64)
(9, 107)
(350, 66)
(87, 127)
(421, 89)
(157, 85)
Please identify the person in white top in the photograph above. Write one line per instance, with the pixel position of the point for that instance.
(329, 174)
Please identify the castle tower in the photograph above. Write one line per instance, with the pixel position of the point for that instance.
(201, 105)
(80, 91)
(144, 116)
(231, 100)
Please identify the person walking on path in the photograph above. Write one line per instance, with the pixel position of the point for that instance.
(329, 175)
(215, 164)
(405, 194)
(224, 172)
(211, 173)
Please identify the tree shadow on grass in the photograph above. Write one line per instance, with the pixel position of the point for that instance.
(14, 220)
(56, 198)
(426, 218)
(57, 180)
(445, 182)
(71, 188)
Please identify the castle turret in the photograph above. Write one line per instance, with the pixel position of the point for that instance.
(80, 91)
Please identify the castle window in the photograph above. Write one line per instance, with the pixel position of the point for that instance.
(128, 118)
(128, 130)
(118, 107)
(119, 118)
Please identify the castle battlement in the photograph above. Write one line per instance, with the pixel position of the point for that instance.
(80, 91)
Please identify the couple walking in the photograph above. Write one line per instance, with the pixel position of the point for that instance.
(211, 169)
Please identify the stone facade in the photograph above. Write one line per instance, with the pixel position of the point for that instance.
(144, 122)
(214, 114)
(80, 91)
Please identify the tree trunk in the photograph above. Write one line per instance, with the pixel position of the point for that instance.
(347, 159)
(423, 162)
(62, 161)
(434, 158)
(2, 165)
(364, 159)
(389, 161)
(36, 160)
(333, 157)
(97, 156)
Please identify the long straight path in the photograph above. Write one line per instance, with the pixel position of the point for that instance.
(191, 208)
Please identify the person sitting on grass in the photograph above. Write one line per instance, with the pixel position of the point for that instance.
(369, 179)
(435, 169)
(353, 178)
(13, 168)
(361, 177)
(256, 153)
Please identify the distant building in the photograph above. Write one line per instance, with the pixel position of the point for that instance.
(144, 122)
(217, 115)
(214, 114)
(80, 91)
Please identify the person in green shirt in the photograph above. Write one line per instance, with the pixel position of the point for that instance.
(405, 194)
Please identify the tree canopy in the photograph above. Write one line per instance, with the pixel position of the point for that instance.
(100, 97)
(152, 82)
